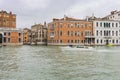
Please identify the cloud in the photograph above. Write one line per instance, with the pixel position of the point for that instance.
(37, 11)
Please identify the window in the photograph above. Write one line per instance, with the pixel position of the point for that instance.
(109, 33)
(78, 33)
(97, 24)
(60, 33)
(97, 33)
(19, 34)
(4, 39)
(68, 41)
(19, 40)
(101, 33)
(104, 25)
(60, 41)
(97, 41)
(75, 24)
(112, 33)
(116, 41)
(101, 24)
(9, 34)
(116, 25)
(116, 33)
(113, 41)
(101, 41)
(71, 41)
(5, 34)
(75, 33)
(109, 24)
(71, 33)
(8, 40)
(68, 33)
(75, 41)
(112, 24)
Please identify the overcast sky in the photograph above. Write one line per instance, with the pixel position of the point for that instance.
(30, 12)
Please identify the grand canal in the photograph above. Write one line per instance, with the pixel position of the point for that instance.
(51, 63)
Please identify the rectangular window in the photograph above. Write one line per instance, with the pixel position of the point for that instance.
(116, 25)
(8, 40)
(9, 34)
(101, 24)
(60, 33)
(112, 24)
(4, 39)
(60, 41)
(5, 34)
(19, 40)
(19, 34)
(97, 24)
(97, 33)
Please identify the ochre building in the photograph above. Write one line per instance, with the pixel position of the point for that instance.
(26, 36)
(11, 37)
(7, 20)
(9, 34)
(70, 31)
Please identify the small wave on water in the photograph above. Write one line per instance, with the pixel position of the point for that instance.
(107, 50)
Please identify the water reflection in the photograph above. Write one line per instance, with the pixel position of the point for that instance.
(51, 63)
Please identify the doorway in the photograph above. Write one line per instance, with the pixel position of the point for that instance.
(0, 38)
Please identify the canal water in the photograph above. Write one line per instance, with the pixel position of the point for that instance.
(52, 63)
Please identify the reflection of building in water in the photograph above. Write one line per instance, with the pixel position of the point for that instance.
(11, 36)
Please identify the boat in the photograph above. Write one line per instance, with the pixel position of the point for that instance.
(80, 48)
(109, 45)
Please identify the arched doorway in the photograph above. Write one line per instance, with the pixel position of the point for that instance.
(0, 38)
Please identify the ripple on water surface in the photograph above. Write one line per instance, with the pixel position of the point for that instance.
(51, 63)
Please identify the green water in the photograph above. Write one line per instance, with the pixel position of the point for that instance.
(51, 63)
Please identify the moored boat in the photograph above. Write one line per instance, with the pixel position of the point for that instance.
(109, 45)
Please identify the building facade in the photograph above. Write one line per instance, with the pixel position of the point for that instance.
(7, 20)
(69, 31)
(11, 36)
(106, 31)
(114, 15)
(26, 36)
(39, 34)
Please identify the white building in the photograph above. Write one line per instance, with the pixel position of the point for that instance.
(115, 15)
(106, 31)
